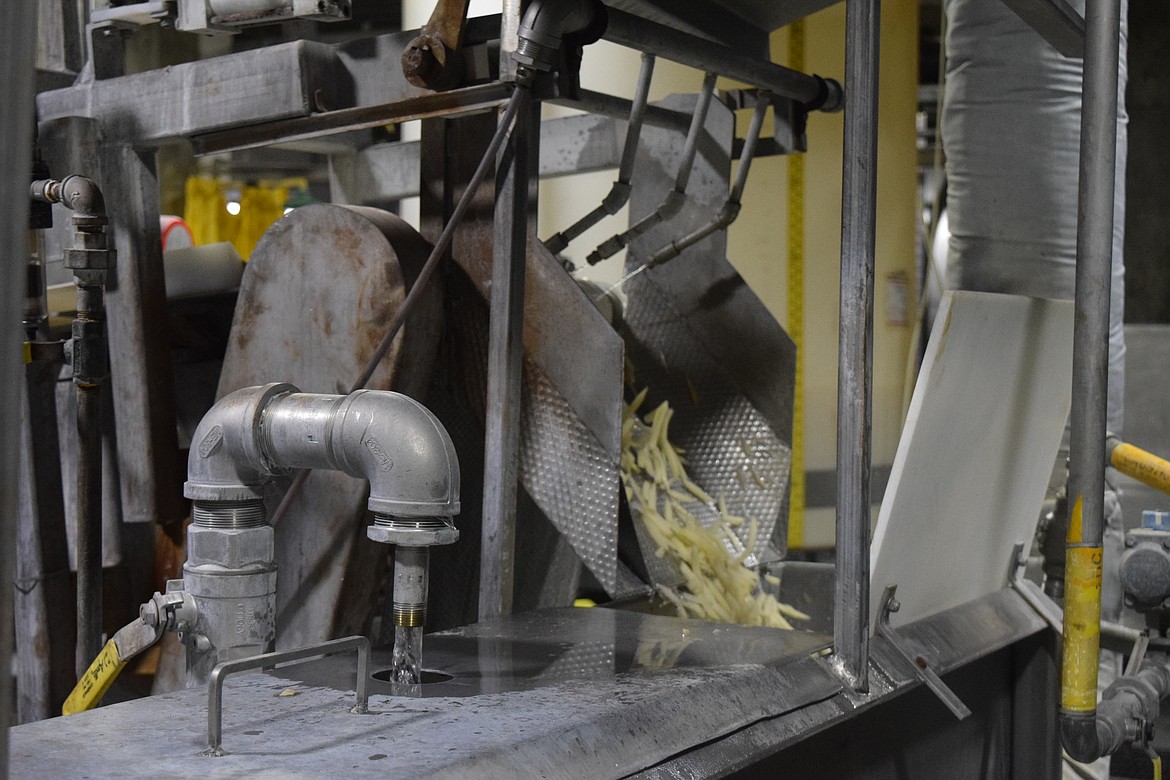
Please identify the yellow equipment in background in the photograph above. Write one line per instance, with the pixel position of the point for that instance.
(221, 210)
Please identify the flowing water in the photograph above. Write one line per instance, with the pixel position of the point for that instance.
(406, 663)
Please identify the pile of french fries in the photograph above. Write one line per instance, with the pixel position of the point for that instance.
(717, 585)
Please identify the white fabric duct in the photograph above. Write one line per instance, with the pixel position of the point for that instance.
(1011, 131)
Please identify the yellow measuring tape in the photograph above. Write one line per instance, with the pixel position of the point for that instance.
(796, 306)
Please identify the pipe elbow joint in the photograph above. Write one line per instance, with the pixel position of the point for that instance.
(404, 452)
(84, 198)
(1080, 737)
(547, 22)
(227, 461)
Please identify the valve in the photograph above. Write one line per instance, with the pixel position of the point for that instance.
(173, 610)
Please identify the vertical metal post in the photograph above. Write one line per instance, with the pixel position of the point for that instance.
(18, 35)
(505, 358)
(1090, 391)
(140, 366)
(45, 656)
(855, 343)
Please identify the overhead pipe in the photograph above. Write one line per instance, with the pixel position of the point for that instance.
(619, 193)
(636, 32)
(729, 211)
(673, 203)
(545, 26)
(1085, 733)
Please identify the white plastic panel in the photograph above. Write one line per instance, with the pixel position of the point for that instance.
(976, 453)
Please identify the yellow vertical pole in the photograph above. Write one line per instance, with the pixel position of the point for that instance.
(796, 307)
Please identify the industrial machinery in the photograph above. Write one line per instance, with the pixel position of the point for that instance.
(520, 384)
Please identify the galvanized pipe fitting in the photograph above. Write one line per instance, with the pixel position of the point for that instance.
(390, 440)
(411, 566)
(253, 434)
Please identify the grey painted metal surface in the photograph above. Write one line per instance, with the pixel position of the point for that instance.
(699, 338)
(313, 304)
(275, 82)
(948, 641)
(44, 648)
(220, 674)
(515, 213)
(562, 693)
(17, 22)
(855, 339)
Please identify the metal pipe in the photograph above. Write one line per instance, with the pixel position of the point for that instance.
(387, 438)
(730, 209)
(641, 34)
(1082, 732)
(673, 202)
(253, 434)
(514, 178)
(91, 261)
(89, 525)
(543, 27)
(1135, 462)
(855, 344)
(619, 193)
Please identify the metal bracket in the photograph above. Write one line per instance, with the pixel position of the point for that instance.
(221, 671)
(921, 667)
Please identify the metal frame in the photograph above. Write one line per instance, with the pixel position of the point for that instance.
(306, 90)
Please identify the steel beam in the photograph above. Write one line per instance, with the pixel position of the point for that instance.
(153, 108)
(515, 214)
(140, 366)
(17, 55)
(855, 345)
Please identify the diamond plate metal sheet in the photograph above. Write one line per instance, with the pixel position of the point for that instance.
(573, 361)
(698, 337)
(569, 475)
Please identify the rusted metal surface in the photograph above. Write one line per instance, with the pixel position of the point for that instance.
(315, 300)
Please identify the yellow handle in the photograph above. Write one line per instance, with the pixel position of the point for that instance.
(1142, 466)
(96, 681)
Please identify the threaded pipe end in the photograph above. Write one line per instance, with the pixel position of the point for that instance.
(411, 523)
(232, 515)
(409, 615)
(536, 55)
